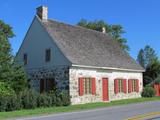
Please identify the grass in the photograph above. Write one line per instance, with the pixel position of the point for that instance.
(43, 111)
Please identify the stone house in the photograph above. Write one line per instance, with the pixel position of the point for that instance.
(88, 64)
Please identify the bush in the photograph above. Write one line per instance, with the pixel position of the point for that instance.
(44, 100)
(148, 92)
(65, 98)
(3, 103)
(59, 98)
(13, 103)
(28, 99)
(5, 89)
(8, 98)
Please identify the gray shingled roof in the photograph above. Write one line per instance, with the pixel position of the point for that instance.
(88, 47)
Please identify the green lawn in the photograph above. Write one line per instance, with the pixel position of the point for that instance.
(42, 111)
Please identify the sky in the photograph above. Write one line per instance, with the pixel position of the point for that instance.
(139, 18)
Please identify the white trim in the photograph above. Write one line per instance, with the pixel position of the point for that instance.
(108, 68)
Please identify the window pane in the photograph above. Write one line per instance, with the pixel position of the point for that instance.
(25, 59)
(120, 85)
(87, 85)
(48, 55)
(133, 85)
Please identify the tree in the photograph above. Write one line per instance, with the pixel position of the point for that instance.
(140, 58)
(5, 50)
(148, 59)
(115, 31)
(152, 72)
(10, 73)
(146, 56)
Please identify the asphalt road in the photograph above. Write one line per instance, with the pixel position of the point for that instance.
(109, 113)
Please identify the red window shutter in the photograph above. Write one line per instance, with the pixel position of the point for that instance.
(124, 86)
(137, 85)
(81, 86)
(93, 86)
(129, 86)
(116, 86)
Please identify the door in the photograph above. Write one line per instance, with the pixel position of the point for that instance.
(105, 89)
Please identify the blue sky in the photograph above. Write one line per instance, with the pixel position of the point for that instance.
(140, 18)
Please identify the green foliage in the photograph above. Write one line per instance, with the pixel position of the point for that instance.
(6, 90)
(157, 80)
(44, 100)
(148, 59)
(5, 51)
(148, 92)
(6, 30)
(146, 56)
(140, 58)
(115, 31)
(10, 73)
(9, 103)
(8, 98)
(28, 99)
(152, 72)
(65, 99)
(19, 79)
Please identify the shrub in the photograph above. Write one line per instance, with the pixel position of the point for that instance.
(13, 103)
(55, 95)
(8, 98)
(5, 89)
(148, 92)
(44, 100)
(65, 98)
(28, 99)
(59, 98)
(3, 104)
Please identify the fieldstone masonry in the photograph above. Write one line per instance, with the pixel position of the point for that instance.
(67, 79)
(58, 73)
(75, 73)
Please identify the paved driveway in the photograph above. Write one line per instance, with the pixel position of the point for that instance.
(124, 112)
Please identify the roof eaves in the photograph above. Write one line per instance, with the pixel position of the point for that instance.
(108, 68)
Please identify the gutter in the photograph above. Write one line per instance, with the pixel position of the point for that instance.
(107, 68)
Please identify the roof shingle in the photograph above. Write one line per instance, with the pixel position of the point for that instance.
(89, 47)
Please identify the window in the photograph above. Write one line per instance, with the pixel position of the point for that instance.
(87, 86)
(120, 85)
(47, 84)
(48, 55)
(133, 85)
(25, 59)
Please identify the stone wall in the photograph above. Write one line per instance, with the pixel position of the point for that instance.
(59, 73)
(75, 73)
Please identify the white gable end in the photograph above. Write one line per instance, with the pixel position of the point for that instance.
(35, 43)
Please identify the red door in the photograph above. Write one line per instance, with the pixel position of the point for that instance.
(105, 89)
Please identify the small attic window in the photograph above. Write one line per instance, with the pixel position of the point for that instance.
(25, 59)
(48, 55)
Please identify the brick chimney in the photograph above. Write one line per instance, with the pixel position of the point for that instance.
(42, 13)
